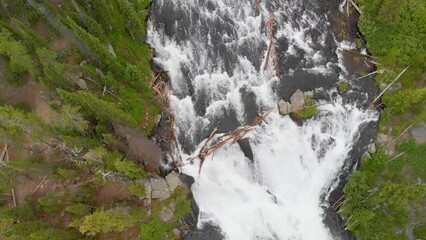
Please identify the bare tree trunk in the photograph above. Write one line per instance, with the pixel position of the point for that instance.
(394, 81)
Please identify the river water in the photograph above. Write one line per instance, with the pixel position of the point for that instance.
(215, 54)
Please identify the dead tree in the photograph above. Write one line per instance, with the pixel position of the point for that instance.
(394, 81)
(271, 49)
(230, 137)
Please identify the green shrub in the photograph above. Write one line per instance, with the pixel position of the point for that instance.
(343, 87)
(137, 189)
(52, 203)
(130, 169)
(103, 221)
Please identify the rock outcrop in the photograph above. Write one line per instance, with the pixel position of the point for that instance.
(284, 107)
(173, 181)
(419, 134)
(160, 189)
(297, 100)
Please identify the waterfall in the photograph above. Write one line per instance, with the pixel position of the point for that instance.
(214, 52)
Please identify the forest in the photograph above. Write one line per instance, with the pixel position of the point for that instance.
(76, 89)
(386, 198)
(75, 83)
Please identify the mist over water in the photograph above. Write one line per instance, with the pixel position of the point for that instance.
(214, 52)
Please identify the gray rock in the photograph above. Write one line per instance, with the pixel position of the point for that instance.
(366, 155)
(297, 100)
(419, 134)
(82, 84)
(372, 148)
(111, 50)
(157, 119)
(166, 214)
(172, 206)
(381, 138)
(284, 107)
(309, 94)
(173, 181)
(148, 189)
(160, 189)
(176, 233)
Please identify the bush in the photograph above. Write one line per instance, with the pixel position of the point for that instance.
(343, 87)
(103, 221)
(137, 189)
(130, 169)
(52, 203)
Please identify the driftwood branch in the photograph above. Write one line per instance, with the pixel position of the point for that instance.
(356, 6)
(397, 156)
(357, 53)
(271, 48)
(403, 132)
(258, 6)
(3, 154)
(394, 81)
(230, 137)
(14, 197)
(156, 77)
(39, 185)
(372, 73)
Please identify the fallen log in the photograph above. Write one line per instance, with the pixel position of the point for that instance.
(394, 81)
(356, 6)
(230, 137)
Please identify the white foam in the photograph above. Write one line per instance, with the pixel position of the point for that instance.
(289, 162)
(288, 168)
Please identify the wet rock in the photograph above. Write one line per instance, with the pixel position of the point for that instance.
(207, 232)
(246, 148)
(166, 214)
(372, 148)
(284, 107)
(297, 100)
(160, 189)
(173, 181)
(419, 134)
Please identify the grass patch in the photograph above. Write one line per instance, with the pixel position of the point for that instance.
(343, 87)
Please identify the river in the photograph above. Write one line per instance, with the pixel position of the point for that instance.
(215, 54)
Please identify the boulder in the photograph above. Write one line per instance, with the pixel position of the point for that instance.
(148, 189)
(372, 148)
(419, 134)
(308, 94)
(382, 138)
(176, 233)
(166, 214)
(111, 50)
(366, 155)
(82, 84)
(284, 107)
(160, 189)
(297, 100)
(173, 181)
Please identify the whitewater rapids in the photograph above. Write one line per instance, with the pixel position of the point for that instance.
(214, 53)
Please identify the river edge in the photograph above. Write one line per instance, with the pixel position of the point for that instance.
(344, 28)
